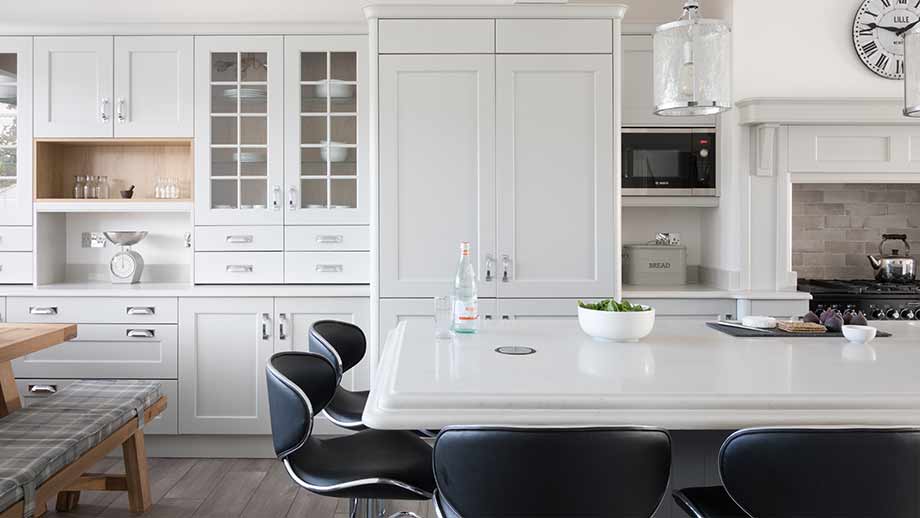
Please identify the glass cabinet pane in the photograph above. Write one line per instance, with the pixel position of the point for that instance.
(8, 123)
(328, 130)
(239, 130)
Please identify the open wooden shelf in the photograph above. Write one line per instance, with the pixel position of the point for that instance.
(125, 162)
(113, 205)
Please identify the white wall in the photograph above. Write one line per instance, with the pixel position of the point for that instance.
(800, 48)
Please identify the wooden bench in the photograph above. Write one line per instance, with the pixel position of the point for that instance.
(47, 448)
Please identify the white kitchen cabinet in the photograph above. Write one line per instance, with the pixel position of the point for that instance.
(638, 98)
(104, 86)
(153, 86)
(326, 130)
(543, 309)
(554, 181)
(224, 346)
(74, 86)
(437, 149)
(293, 319)
(15, 133)
(239, 126)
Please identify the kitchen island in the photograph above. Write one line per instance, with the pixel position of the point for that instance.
(684, 376)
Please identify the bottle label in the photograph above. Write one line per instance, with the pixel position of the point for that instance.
(465, 312)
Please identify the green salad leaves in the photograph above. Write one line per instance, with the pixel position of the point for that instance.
(612, 305)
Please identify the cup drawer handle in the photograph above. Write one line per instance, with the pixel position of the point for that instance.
(43, 310)
(239, 268)
(141, 310)
(330, 268)
(330, 239)
(141, 333)
(42, 389)
(239, 240)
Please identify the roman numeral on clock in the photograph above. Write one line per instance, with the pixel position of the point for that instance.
(870, 48)
(899, 66)
(882, 62)
(886, 3)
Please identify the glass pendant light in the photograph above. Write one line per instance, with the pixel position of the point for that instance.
(692, 65)
(912, 72)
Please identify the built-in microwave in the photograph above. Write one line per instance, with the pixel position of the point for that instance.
(669, 162)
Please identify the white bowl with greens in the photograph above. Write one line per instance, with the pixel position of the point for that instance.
(616, 321)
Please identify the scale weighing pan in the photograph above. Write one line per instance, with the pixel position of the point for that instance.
(125, 238)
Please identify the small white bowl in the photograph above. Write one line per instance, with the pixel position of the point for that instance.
(330, 152)
(616, 326)
(334, 88)
(859, 334)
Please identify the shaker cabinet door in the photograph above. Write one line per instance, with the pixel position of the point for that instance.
(555, 176)
(74, 86)
(15, 137)
(239, 127)
(224, 346)
(437, 147)
(153, 86)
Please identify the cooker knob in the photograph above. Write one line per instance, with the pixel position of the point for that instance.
(907, 314)
(704, 153)
(876, 314)
(892, 314)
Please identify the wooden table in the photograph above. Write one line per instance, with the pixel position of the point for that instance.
(17, 340)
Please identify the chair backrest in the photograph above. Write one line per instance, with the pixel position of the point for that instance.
(823, 472)
(342, 343)
(550, 472)
(300, 385)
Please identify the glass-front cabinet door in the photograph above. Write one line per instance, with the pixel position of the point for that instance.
(15, 131)
(325, 130)
(239, 127)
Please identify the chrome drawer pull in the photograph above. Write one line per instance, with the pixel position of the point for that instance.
(329, 268)
(239, 240)
(141, 333)
(266, 325)
(330, 240)
(42, 389)
(239, 268)
(141, 310)
(39, 310)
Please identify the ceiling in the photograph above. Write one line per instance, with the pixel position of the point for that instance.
(269, 11)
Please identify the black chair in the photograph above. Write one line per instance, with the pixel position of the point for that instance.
(344, 345)
(813, 472)
(369, 465)
(492, 472)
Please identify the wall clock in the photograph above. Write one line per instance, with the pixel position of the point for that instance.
(878, 34)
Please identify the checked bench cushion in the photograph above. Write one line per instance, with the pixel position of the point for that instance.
(41, 439)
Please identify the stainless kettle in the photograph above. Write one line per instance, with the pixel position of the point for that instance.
(896, 267)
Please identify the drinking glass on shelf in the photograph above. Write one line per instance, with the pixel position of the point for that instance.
(103, 188)
(88, 190)
(443, 317)
(172, 190)
(158, 188)
(78, 182)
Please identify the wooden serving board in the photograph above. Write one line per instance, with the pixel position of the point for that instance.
(779, 333)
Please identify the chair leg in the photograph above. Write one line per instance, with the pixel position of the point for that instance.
(353, 505)
(67, 501)
(135, 455)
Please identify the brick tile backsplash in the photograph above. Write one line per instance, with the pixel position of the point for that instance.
(835, 226)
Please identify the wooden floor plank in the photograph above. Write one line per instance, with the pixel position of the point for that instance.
(94, 503)
(231, 496)
(199, 481)
(308, 505)
(164, 474)
(274, 496)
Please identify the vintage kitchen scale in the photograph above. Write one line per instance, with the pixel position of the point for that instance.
(126, 265)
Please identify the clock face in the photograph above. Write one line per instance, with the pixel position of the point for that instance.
(878, 34)
(123, 265)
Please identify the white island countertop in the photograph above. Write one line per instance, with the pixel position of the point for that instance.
(683, 376)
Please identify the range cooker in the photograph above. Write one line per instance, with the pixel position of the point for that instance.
(876, 300)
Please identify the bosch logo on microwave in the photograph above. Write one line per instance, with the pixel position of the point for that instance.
(659, 266)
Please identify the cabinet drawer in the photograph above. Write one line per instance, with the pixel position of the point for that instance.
(15, 267)
(92, 310)
(708, 308)
(568, 36)
(436, 36)
(221, 239)
(15, 239)
(167, 423)
(239, 267)
(351, 239)
(327, 267)
(108, 351)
